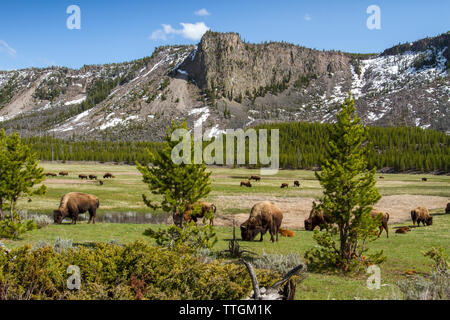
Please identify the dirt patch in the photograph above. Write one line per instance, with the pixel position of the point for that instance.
(296, 210)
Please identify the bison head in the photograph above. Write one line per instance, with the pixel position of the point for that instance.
(309, 224)
(429, 221)
(248, 231)
(57, 217)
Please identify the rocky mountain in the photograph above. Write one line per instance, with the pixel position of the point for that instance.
(224, 82)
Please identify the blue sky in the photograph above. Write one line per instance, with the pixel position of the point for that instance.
(34, 32)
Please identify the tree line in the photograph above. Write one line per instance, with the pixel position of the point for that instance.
(302, 146)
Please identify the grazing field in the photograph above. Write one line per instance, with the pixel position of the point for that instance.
(401, 193)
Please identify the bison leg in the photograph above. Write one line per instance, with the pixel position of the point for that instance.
(387, 230)
(92, 215)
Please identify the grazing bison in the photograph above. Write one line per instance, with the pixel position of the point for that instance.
(447, 209)
(286, 232)
(384, 220)
(100, 182)
(264, 216)
(74, 203)
(296, 183)
(421, 214)
(424, 179)
(246, 183)
(403, 230)
(82, 176)
(206, 207)
(284, 185)
(92, 177)
(317, 218)
(381, 177)
(108, 175)
(63, 173)
(256, 178)
(51, 174)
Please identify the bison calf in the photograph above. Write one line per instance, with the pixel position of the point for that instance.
(421, 214)
(74, 203)
(403, 230)
(286, 233)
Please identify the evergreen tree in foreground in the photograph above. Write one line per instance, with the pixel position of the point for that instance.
(19, 173)
(349, 195)
(178, 184)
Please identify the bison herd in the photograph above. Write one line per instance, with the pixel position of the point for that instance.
(264, 216)
(107, 175)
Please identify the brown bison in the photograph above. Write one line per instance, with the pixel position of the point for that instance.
(296, 183)
(108, 175)
(246, 183)
(381, 177)
(206, 207)
(63, 173)
(286, 232)
(447, 209)
(384, 220)
(92, 177)
(74, 203)
(424, 179)
(403, 230)
(82, 176)
(51, 174)
(100, 182)
(256, 178)
(421, 214)
(284, 185)
(264, 216)
(317, 218)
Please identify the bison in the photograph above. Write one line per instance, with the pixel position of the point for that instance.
(381, 177)
(424, 179)
(317, 218)
(82, 176)
(286, 232)
(296, 183)
(384, 220)
(63, 173)
(421, 214)
(264, 216)
(206, 207)
(51, 174)
(246, 183)
(92, 177)
(403, 230)
(108, 175)
(256, 178)
(100, 182)
(447, 209)
(74, 203)
(284, 185)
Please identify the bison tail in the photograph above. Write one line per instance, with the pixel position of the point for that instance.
(98, 203)
(214, 208)
(387, 216)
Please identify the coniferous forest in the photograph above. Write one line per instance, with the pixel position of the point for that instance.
(302, 146)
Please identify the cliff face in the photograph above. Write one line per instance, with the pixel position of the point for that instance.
(233, 68)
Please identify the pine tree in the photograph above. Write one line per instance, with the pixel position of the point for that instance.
(178, 184)
(349, 192)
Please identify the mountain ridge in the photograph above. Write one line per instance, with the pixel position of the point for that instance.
(224, 82)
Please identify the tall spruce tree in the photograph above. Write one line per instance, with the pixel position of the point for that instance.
(19, 172)
(178, 184)
(349, 194)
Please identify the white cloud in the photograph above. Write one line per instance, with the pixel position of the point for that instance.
(202, 12)
(192, 31)
(4, 47)
(308, 17)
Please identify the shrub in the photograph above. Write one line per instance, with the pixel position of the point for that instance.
(279, 262)
(134, 271)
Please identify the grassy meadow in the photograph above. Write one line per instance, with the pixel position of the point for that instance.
(123, 194)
